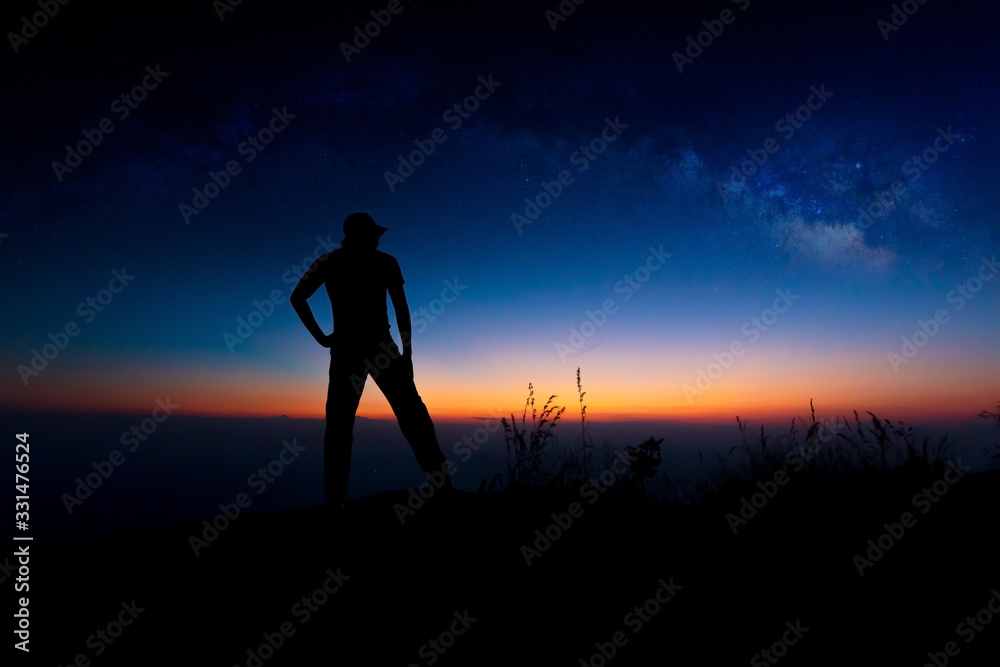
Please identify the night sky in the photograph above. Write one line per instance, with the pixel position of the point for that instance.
(560, 192)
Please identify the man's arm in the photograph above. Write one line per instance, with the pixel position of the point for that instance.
(402, 316)
(299, 299)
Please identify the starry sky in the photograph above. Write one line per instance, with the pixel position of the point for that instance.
(711, 208)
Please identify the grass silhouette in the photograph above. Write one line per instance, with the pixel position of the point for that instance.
(791, 558)
(842, 448)
(536, 462)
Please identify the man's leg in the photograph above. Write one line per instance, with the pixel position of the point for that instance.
(396, 382)
(347, 378)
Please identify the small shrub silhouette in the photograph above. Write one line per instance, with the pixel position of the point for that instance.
(534, 461)
(644, 459)
(840, 448)
(992, 452)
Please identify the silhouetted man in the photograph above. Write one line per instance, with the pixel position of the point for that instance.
(357, 277)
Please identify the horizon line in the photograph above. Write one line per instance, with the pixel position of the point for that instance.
(770, 416)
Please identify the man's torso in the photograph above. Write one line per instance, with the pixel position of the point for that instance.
(357, 284)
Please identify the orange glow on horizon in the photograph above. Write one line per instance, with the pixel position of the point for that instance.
(754, 392)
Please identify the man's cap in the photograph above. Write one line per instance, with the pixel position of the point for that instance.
(362, 224)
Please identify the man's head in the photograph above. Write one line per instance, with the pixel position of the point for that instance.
(361, 231)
